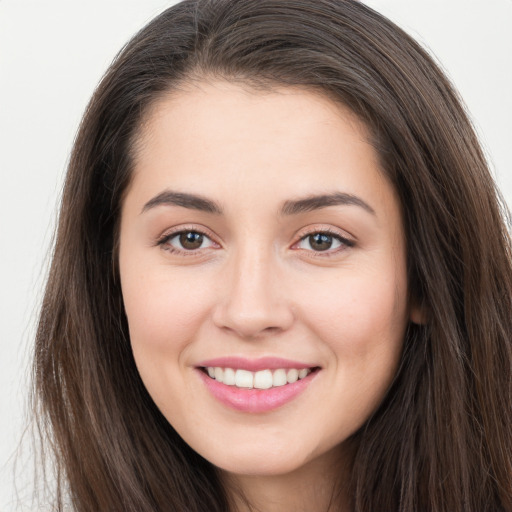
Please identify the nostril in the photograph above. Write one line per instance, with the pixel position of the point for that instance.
(252, 322)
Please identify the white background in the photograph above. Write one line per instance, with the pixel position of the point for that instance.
(53, 53)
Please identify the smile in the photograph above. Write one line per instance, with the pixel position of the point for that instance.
(263, 379)
(256, 386)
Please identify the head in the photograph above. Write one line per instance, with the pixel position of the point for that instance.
(342, 60)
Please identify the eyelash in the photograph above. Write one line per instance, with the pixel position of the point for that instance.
(164, 241)
(344, 242)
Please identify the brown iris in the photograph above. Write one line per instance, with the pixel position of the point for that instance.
(320, 241)
(191, 240)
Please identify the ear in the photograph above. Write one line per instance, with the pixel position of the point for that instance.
(417, 313)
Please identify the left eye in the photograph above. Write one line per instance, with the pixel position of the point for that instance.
(188, 241)
(320, 242)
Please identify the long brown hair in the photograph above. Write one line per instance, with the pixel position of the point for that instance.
(442, 438)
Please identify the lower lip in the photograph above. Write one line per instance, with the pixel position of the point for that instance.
(256, 400)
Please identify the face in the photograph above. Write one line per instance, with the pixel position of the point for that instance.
(263, 271)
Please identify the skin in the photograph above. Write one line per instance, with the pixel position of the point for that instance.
(256, 286)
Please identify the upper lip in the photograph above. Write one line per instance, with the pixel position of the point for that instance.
(254, 365)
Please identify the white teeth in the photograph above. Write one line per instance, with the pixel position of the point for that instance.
(303, 373)
(279, 378)
(292, 376)
(229, 376)
(263, 379)
(244, 379)
(219, 374)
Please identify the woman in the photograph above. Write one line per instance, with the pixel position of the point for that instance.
(282, 277)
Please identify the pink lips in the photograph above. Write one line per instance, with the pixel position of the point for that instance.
(254, 400)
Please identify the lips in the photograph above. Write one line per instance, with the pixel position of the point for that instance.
(257, 385)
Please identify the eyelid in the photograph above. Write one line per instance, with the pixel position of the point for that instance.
(328, 229)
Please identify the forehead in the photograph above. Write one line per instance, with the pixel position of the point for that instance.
(219, 128)
(253, 151)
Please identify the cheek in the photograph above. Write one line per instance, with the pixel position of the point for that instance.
(163, 312)
(357, 304)
(362, 322)
(362, 319)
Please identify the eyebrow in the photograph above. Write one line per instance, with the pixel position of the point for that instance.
(183, 199)
(316, 202)
(291, 207)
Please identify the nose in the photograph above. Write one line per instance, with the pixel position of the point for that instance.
(253, 301)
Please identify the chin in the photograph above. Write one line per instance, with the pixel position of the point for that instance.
(255, 460)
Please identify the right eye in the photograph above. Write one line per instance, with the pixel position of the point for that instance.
(186, 241)
(321, 242)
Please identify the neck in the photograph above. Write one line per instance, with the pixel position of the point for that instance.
(320, 484)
